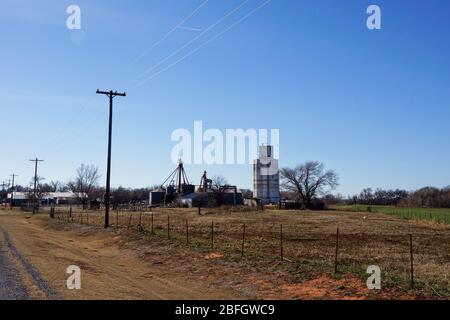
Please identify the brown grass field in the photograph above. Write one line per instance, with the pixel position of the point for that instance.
(309, 243)
(199, 266)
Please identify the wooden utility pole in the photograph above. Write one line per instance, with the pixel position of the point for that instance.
(4, 185)
(12, 190)
(35, 182)
(111, 96)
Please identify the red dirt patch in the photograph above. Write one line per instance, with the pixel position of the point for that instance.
(326, 287)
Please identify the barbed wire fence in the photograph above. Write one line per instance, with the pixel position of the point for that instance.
(267, 242)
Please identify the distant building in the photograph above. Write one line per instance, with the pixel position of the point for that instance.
(20, 198)
(266, 176)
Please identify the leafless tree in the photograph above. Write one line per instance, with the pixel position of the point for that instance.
(218, 181)
(309, 180)
(41, 189)
(84, 183)
(55, 185)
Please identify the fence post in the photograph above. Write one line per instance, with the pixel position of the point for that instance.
(129, 221)
(412, 261)
(187, 233)
(140, 219)
(70, 212)
(117, 218)
(168, 227)
(152, 223)
(243, 241)
(336, 252)
(281, 241)
(212, 235)
(87, 217)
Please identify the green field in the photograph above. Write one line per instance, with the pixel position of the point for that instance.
(439, 215)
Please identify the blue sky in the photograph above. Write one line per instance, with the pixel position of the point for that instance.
(373, 105)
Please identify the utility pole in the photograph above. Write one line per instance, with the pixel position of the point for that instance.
(3, 191)
(12, 190)
(35, 182)
(111, 94)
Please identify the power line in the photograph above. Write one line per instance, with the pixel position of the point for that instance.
(110, 95)
(194, 39)
(67, 128)
(170, 32)
(204, 44)
(80, 132)
(35, 182)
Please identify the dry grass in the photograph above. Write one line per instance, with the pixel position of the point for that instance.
(309, 240)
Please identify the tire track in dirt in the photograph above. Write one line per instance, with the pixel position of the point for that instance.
(29, 268)
(11, 285)
(108, 271)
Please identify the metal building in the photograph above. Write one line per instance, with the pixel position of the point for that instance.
(266, 176)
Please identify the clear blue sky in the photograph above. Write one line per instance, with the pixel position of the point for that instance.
(373, 105)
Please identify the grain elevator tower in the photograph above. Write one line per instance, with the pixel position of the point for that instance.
(266, 176)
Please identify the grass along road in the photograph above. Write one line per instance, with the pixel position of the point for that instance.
(438, 215)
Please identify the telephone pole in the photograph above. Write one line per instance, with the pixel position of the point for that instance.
(35, 182)
(110, 94)
(3, 191)
(12, 190)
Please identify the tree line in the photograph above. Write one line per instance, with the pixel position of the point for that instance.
(310, 182)
(306, 183)
(424, 197)
(85, 186)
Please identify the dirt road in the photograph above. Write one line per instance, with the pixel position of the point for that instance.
(124, 263)
(11, 286)
(34, 257)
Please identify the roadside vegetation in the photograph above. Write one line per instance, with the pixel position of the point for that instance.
(438, 215)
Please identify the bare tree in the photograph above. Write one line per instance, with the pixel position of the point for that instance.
(41, 190)
(309, 180)
(55, 185)
(218, 181)
(366, 196)
(84, 183)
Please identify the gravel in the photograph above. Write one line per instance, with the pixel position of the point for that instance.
(11, 286)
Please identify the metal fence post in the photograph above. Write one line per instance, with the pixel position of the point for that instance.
(336, 252)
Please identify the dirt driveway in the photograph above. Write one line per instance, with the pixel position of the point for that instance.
(33, 249)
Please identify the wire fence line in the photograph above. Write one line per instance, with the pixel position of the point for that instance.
(270, 242)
